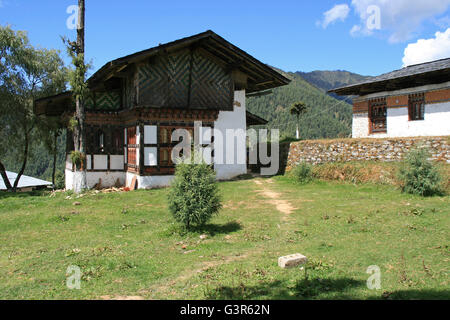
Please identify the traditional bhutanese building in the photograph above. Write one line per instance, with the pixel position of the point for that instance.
(137, 101)
(413, 101)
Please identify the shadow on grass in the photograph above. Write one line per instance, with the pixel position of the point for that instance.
(19, 195)
(216, 229)
(278, 290)
(426, 294)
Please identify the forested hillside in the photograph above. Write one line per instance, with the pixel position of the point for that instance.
(40, 162)
(327, 117)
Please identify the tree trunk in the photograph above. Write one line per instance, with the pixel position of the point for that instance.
(24, 164)
(55, 152)
(5, 177)
(80, 180)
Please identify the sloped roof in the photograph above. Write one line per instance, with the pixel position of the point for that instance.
(261, 76)
(412, 76)
(254, 120)
(24, 182)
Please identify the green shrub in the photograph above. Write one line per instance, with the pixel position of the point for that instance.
(60, 181)
(194, 196)
(302, 173)
(420, 176)
(78, 158)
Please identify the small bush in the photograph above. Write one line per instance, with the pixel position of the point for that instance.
(420, 176)
(78, 158)
(194, 196)
(302, 173)
(60, 182)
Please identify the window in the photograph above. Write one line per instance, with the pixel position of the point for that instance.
(164, 136)
(131, 147)
(131, 136)
(416, 107)
(101, 141)
(164, 157)
(118, 141)
(150, 135)
(150, 156)
(378, 115)
(158, 147)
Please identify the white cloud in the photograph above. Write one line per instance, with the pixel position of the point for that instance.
(355, 30)
(401, 18)
(425, 50)
(338, 12)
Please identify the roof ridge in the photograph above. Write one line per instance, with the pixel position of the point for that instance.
(418, 64)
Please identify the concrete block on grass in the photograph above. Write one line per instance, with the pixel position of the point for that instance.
(292, 260)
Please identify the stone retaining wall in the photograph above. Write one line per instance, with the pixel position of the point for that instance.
(344, 150)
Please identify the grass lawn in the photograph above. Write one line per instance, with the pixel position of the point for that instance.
(127, 244)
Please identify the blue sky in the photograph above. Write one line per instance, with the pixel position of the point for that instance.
(291, 35)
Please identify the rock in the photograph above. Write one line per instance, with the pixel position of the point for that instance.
(77, 204)
(292, 260)
(203, 237)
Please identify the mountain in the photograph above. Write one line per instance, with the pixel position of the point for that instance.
(327, 117)
(327, 80)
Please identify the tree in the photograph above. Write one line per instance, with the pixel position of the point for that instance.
(419, 175)
(194, 196)
(26, 74)
(80, 92)
(49, 130)
(298, 109)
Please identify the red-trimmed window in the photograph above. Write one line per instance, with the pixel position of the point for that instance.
(416, 107)
(378, 115)
(131, 146)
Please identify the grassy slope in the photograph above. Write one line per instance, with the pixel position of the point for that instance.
(129, 245)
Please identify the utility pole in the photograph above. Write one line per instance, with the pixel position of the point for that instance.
(80, 132)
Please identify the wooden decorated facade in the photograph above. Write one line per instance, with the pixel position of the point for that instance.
(157, 91)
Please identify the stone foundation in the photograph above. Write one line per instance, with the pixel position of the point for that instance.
(345, 150)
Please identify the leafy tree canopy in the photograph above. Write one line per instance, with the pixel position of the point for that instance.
(26, 73)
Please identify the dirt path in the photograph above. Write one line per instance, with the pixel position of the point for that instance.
(202, 267)
(274, 198)
(165, 288)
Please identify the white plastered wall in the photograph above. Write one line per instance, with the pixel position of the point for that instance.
(235, 120)
(360, 125)
(147, 182)
(108, 178)
(436, 122)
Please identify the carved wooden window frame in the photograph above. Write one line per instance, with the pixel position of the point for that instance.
(416, 107)
(378, 115)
